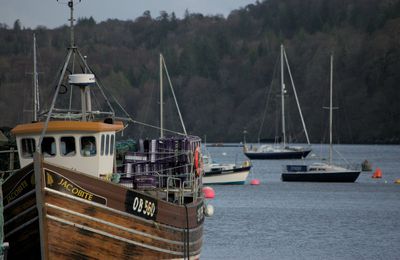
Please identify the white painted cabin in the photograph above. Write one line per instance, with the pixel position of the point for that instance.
(87, 147)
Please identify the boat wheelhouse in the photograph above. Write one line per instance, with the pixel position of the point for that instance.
(78, 145)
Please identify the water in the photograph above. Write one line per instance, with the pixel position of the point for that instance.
(280, 220)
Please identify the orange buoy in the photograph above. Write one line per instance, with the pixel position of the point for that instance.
(255, 182)
(377, 174)
(208, 192)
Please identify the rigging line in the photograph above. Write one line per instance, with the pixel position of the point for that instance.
(156, 127)
(147, 109)
(98, 83)
(24, 111)
(341, 156)
(173, 94)
(278, 135)
(347, 125)
(295, 95)
(70, 94)
(97, 104)
(36, 102)
(54, 99)
(43, 112)
(267, 102)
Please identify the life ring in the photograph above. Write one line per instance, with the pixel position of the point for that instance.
(197, 163)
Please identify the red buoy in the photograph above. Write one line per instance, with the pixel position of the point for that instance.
(377, 174)
(255, 182)
(208, 192)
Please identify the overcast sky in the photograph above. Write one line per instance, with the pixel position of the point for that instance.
(51, 13)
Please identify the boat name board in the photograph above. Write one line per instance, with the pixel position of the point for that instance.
(141, 205)
(25, 184)
(62, 184)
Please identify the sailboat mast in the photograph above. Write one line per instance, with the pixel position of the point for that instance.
(161, 99)
(331, 112)
(283, 98)
(35, 83)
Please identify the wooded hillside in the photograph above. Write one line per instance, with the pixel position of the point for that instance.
(222, 68)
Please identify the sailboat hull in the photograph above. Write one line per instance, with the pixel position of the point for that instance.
(72, 215)
(232, 176)
(347, 176)
(292, 154)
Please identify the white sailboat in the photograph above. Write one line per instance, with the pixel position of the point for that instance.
(281, 150)
(322, 172)
(224, 173)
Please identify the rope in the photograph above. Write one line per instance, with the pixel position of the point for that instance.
(267, 102)
(156, 127)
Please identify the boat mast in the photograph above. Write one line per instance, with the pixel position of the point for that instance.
(86, 102)
(283, 98)
(161, 99)
(330, 112)
(36, 105)
(71, 6)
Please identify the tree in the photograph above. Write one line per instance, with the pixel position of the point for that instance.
(17, 25)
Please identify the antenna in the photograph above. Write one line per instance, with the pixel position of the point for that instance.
(71, 19)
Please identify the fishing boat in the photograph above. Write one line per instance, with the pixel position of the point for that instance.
(68, 202)
(322, 172)
(224, 173)
(281, 150)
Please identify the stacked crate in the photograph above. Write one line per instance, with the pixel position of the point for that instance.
(157, 159)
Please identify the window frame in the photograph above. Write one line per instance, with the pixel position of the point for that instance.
(81, 148)
(102, 144)
(107, 144)
(61, 152)
(112, 145)
(23, 154)
(49, 155)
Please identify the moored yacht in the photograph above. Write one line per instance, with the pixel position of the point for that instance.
(322, 172)
(224, 173)
(280, 150)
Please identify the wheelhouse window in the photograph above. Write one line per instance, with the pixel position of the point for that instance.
(102, 145)
(67, 146)
(28, 147)
(88, 146)
(107, 143)
(48, 147)
(112, 145)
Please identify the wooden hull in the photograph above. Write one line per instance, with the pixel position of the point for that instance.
(277, 155)
(233, 176)
(70, 215)
(349, 176)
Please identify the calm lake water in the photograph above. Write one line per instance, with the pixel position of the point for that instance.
(279, 220)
